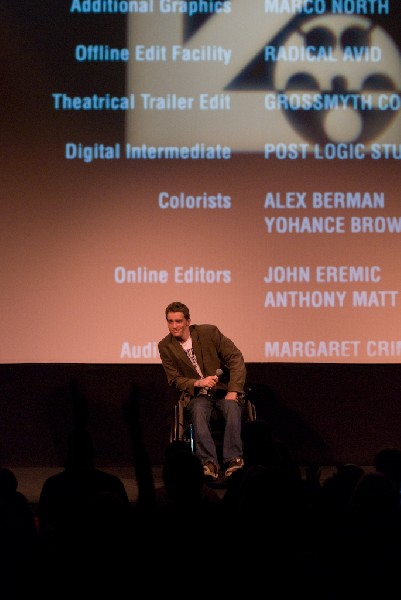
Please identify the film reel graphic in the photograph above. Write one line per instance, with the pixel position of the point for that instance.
(250, 79)
(360, 82)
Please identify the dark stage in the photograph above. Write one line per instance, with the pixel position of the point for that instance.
(327, 414)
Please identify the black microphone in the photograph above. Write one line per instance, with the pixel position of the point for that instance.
(218, 373)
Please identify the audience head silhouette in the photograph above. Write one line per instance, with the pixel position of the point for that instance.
(8, 483)
(183, 477)
(388, 461)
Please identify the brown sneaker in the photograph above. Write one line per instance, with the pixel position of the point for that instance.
(234, 465)
(210, 470)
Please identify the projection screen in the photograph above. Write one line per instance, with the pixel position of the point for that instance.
(240, 156)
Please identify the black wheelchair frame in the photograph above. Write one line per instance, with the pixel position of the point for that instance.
(182, 428)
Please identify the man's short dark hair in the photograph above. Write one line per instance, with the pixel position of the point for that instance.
(178, 307)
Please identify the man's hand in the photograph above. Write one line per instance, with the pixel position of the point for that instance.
(231, 396)
(209, 381)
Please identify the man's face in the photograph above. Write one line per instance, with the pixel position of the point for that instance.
(178, 325)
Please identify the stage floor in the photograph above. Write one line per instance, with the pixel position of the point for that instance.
(31, 479)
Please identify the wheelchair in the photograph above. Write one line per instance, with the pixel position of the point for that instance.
(182, 428)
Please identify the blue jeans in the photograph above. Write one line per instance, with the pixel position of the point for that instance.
(200, 410)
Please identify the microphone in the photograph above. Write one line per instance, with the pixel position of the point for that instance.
(219, 372)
